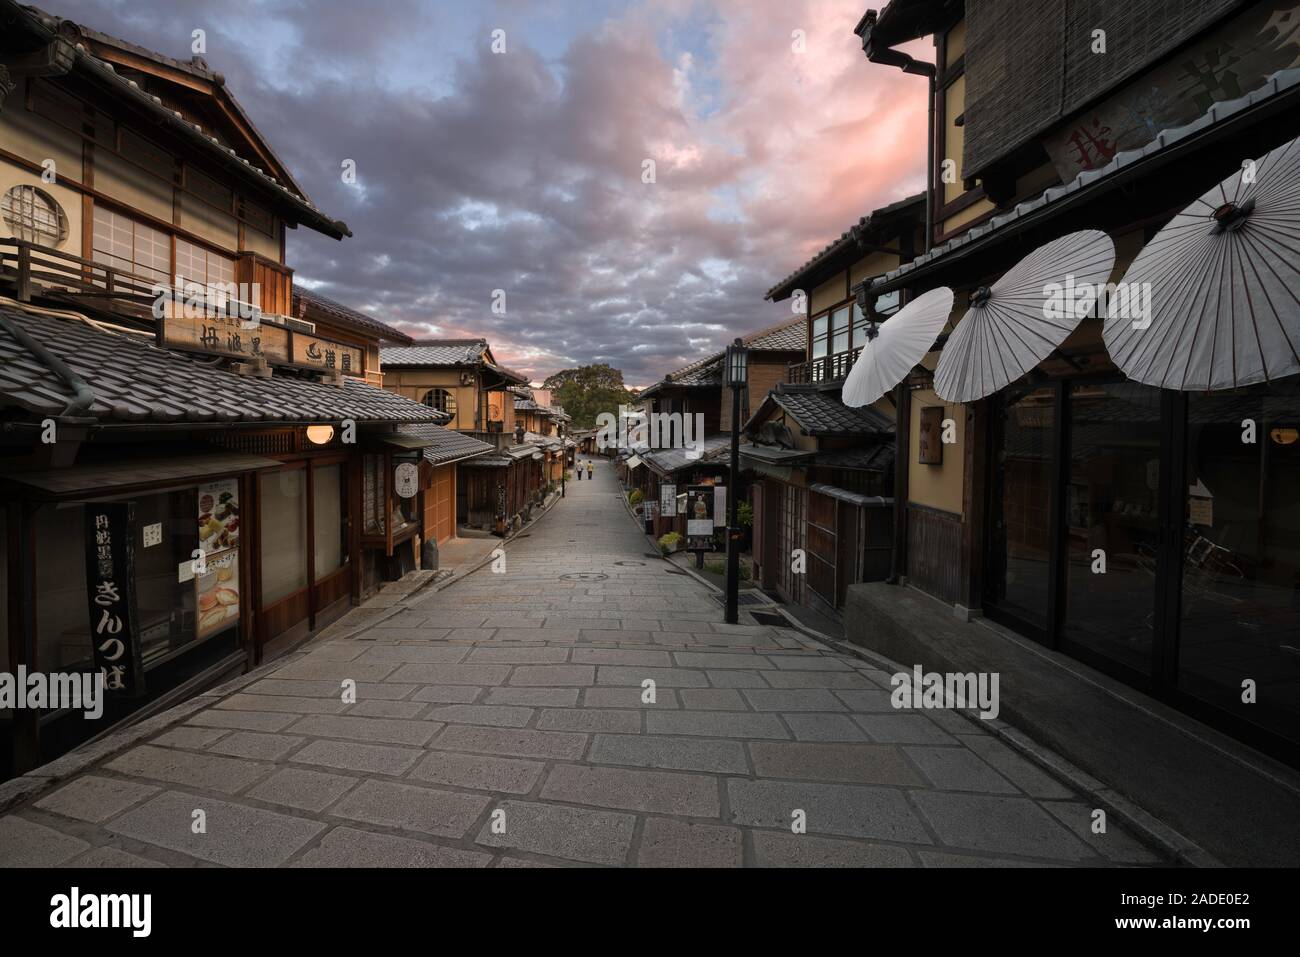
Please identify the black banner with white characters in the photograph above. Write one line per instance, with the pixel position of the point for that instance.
(110, 595)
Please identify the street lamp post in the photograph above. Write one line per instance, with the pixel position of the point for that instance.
(737, 375)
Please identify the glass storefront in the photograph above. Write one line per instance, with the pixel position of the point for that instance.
(1021, 527)
(1112, 529)
(1241, 568)
(1156, 536)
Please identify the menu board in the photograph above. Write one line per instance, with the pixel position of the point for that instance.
(217, 590)
(216, 582)
(668, 501)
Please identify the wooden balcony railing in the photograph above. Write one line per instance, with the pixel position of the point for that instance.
(823, 369)
(29, 268)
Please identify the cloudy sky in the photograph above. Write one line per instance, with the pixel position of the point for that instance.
(523, 170)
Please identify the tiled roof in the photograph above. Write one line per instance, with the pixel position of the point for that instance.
(821, 413)
(1031, 210)
(435, 352)
(668, 461)
(341, 314)
(789, 336)
(872, 458)
(861, 231)
(105, 74)
(448, 446)
(135, 381)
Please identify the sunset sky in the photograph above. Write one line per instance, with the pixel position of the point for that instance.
(522, 171)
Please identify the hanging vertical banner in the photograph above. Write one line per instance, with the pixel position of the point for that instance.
(668, 501)
(719, 506)
(110, 594)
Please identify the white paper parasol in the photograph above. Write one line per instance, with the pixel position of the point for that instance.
(899, 344)
(1021, 319)
(1220, 286)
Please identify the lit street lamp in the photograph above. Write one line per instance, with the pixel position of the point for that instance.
(737, 376)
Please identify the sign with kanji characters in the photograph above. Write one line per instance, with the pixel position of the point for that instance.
(668, 501)
(406, 480)
(1227, 63)
(224, 336)
(316, 353)
(110, 593)
(231, 337)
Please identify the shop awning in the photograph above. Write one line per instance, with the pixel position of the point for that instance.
(1022, 318)
(97, 479)
(899, 344)
(1212, 302)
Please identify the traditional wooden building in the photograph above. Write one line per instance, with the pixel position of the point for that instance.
(698, 389)
(823, 484)
(461, 377)
(186, 460)
(1091, 451)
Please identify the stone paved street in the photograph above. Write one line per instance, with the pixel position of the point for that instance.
(501, 722)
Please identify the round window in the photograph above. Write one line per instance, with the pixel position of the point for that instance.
(440, 399)
(33, 215)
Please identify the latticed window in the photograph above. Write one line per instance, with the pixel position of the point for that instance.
(440, 399)
(33, 215)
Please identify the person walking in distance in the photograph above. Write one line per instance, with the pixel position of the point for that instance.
(579, 471)
(589, 468)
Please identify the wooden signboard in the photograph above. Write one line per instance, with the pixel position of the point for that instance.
(313, 352)
(930, 445)
(224, 336)
(232, 337)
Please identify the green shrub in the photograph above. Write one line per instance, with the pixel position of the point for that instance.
(668, 543)
(635, 496)
(745, 514)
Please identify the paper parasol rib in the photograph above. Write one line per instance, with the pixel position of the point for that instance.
(1220, 284)
(1017, 322)
(902, 342)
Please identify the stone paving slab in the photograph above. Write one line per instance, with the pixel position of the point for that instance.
(503, 721)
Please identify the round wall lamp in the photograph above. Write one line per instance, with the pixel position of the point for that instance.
(320, 434)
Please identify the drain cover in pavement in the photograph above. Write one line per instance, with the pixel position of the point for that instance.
(629, 563)
(583, 577)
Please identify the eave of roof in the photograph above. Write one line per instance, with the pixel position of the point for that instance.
(339, 313)
(1282, 89)
(103, 74)
(135, 383)
(842, 252)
